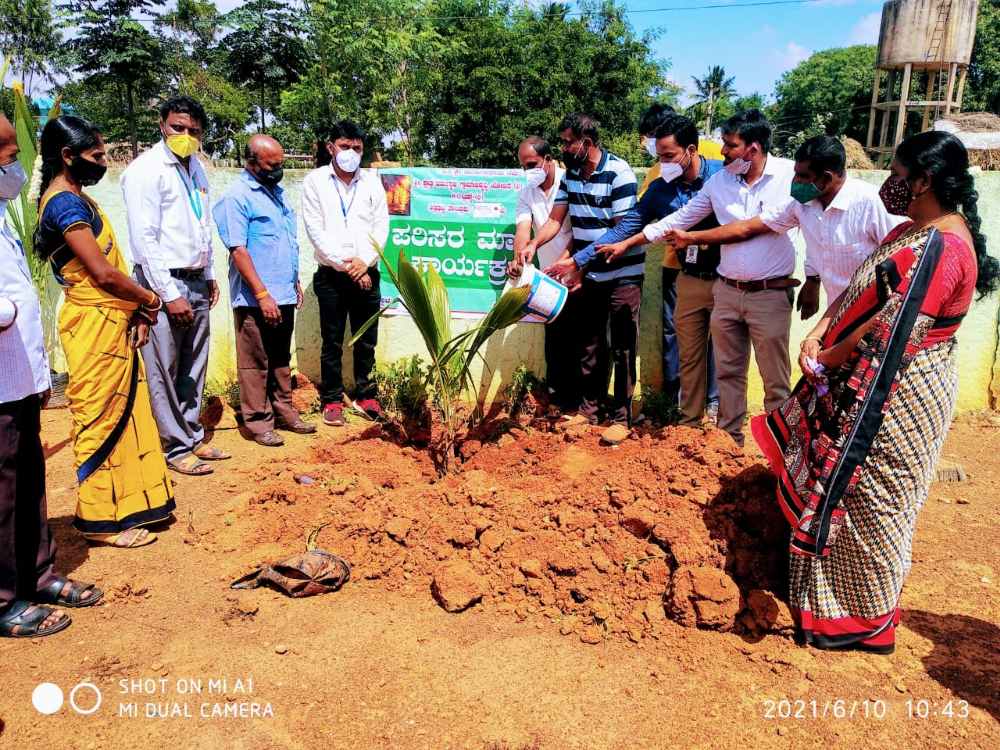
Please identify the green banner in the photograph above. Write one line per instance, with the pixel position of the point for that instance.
(461, 222)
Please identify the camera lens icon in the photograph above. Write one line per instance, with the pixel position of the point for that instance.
(85, 698)
(47, 698)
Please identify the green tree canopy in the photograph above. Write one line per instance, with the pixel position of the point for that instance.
(834, 85)
(522, 71)
(119, 54)
(983, 87)
(31, 37)
(265, 49)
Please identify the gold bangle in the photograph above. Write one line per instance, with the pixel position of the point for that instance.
(261, 295)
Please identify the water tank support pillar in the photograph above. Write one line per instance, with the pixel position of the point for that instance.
(871, 117)
(884, 129)
(932, 79)
(904, 96)
(961, 87)
(952, 69)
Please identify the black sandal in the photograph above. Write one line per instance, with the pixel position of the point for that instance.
(23, 619)
(53, 594)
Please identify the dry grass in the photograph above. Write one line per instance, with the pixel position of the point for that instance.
(988, 159)
(857, 157)
(975, 122)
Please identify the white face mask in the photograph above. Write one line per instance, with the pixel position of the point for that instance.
(12, 179)
(535, 177)
(650, 145)
(671, 171)
(738, 167)
(349, 160)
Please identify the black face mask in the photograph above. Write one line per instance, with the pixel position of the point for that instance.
(86, 172)
(270, 177)
(575, 161)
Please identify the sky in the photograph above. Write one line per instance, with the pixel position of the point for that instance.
(756, 44)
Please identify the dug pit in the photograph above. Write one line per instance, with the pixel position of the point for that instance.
(607, 542)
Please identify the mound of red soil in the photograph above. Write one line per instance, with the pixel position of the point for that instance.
(609, 542)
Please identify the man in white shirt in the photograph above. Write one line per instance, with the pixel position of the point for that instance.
(534, 204)
(753, 296)
(27, 547)
(170, 240)
(842, 218)
(343, 207)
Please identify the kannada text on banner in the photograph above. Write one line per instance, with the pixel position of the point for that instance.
(461, 222)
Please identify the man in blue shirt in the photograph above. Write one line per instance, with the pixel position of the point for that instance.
(258, 227)
(683, 172)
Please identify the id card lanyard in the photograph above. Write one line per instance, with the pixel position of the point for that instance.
(194, 195)
(194, 200)
(346, 209)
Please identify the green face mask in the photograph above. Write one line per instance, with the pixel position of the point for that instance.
(804, 192)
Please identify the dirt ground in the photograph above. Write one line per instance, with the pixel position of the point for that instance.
(559, 659)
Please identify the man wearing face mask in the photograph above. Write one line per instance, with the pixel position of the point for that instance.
(343, 207)
(170, 241)
(651, 119)
(596, 192)
(683, 172)
(534, 204)
(753, 296)
(258, 226)
(842, 218)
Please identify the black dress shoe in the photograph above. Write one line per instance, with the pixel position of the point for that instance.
(270, 439)
(301, 427)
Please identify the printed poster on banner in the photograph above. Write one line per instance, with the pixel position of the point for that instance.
(461, 222)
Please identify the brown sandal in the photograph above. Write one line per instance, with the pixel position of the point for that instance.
(128, 539)
(211, 453)
(190, 465)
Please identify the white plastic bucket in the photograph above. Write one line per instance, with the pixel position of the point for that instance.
(546, 298)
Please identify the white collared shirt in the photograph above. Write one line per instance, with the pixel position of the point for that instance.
(766, 256)
(162, 200)
(340, 219)
(839, 237)
(535, 205)
(24, 364)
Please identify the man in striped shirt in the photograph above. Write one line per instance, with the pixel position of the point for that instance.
(597, 190)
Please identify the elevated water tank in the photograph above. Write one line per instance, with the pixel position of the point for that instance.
(927, 33)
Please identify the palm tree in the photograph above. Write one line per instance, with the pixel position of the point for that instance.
(713, 87)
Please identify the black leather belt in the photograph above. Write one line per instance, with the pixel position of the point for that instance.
(781, 282)
(191, 274)
(703, 275)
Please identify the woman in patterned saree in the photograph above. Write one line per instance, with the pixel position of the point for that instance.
(855, 446)
(105, 318)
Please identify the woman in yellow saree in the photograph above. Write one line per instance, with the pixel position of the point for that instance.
(122, 476)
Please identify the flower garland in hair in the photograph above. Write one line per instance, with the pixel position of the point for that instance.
(36, 180)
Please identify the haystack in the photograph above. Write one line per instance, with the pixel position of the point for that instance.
(975, 122)
(857, 158)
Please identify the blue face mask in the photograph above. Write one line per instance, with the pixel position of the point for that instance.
(12, 179)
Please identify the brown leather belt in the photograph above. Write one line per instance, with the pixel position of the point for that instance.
(781, 282)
